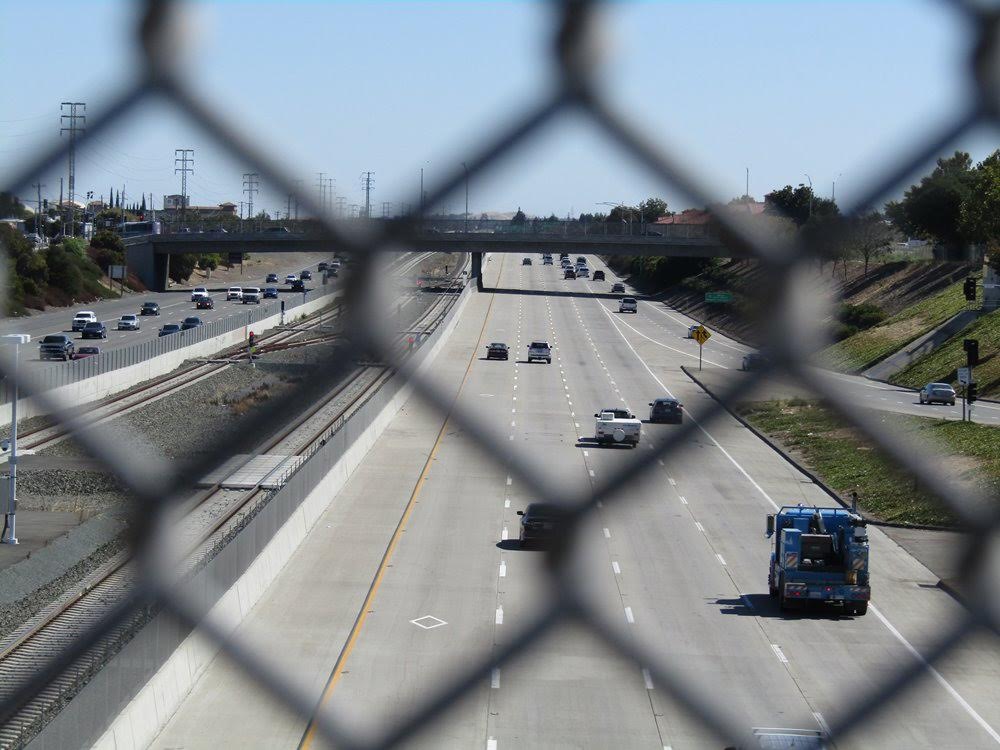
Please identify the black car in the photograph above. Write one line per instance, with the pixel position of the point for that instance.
(272, 278)
(270, 293)
(298, 285)
(95, 330)
(205, 303)
(618, 287)
(190, 323)
(598, 275)
(569, 274)
(306, 275)
(540, 523)
(666, 410)
(169, 328)
(149, 308)
(496, 350)
(754, 361)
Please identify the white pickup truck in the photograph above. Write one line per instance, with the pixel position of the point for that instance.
(617, 426)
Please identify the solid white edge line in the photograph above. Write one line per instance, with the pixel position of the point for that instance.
(779, 653)
(647, 678)
(495, 678)
(629, 617)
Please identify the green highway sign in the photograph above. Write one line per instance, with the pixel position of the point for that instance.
(718, 297)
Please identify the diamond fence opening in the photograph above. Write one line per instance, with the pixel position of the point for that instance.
(792, 340)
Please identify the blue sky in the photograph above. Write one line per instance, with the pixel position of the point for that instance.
(828, 89)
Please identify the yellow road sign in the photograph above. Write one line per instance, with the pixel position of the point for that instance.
(701, 335)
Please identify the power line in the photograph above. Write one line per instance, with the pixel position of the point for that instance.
(185, 170)
(77, 124)
(251, 182)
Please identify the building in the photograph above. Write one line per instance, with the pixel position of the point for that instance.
(173, 208)
(175, 201)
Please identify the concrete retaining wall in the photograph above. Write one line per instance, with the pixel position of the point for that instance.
(127, 703)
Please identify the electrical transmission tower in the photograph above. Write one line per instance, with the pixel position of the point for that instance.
(321, 186)
(341, 203)
(251, 186)
(184, 157)
(331, 187)
(76, 124)
(367, 183)
(386, 209)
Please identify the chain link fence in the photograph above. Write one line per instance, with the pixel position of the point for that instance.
(157, 486)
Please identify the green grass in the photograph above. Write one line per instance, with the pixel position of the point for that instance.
(845, 460)
(866, 348)
(941, 364)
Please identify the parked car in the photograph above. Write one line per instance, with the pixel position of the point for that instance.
(291, 278)
(82, 318)
(540, 350)
(149, 308)
(270, 293)
(272, 278)
(666, 410)
(169, 328)
(628, 305)
(618, 288)
(128, 322)
(234, 293)
(56, 346)
(205, 303)
(598, 275)
(198, 292)
(190, 323)
(306, 275)
(497, 350)
(87, 351)
(95, 330)
(251, 295)
(525, 261)
(277, 230)
(939, 392)
(540, 522)
(569, 273)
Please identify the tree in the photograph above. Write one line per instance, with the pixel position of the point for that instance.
(799, 204)
(11, 207)
(980, 212)
(519, 218)
(652, 209)
(933, 209)
(869, 236)
(208, 262)
(182, 266)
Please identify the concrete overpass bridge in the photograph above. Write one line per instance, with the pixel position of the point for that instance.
(149, 256)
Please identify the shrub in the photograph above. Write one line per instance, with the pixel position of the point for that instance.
(860, 316)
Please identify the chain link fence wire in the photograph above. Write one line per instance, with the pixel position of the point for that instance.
(157, 486)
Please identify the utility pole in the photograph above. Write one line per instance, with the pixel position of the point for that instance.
(747, 193)
(341, 202)
(321, 186)
(77, 124)
(367, 183)
(466, 222)
(186, 157)
(331, 190)
(298, 189)
(39, 221)
(61, 204)
(251, 183)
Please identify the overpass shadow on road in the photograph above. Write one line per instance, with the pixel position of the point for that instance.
(575, 295)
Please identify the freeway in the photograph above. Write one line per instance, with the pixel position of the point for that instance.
(414, 572)
(175, 305)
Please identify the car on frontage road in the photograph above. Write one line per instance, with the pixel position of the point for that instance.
(129, 322)
(941, 393)
(754, 361)
(56, 346)
(497, 350)
(272, 278)
(95, 330)
(666, 410)
(691, 330)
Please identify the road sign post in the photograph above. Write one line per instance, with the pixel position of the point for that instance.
(10, 515)
(701, 335)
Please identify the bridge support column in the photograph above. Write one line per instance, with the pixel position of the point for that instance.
(151, 268)
(477, 269)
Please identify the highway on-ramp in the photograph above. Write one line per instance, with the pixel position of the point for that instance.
(413, 574)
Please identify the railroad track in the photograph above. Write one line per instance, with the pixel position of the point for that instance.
(208, 521)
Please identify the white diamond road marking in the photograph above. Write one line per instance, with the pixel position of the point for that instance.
(428, 622)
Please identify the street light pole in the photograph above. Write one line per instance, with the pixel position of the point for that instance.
(9, 528)
(466, 197)
(810, 195)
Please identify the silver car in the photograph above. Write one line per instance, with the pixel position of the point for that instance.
(128, 323)
(939, 392)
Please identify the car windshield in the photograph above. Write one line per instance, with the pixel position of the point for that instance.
(192, 320)
(665, 402)
(171, 327)
(84, 316)
(54, 340)
(128, 317)
(497, 345)
(539, 345)
(627, 299)
(543, 511)
(149, 304)
(92, 325)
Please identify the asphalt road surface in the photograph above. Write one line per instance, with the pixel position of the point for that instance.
(413, 573)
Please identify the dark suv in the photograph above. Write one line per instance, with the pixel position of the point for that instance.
(598, 275)
(540, 523)
(149, 308)
(666, 410)
(95, 331)
(496, 350)
(57, 346)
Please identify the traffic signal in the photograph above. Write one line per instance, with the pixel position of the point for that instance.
(971, 347)
(970, 289)
(971, 392)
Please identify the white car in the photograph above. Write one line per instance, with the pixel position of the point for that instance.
(291, 278)
(583, 272)
(251, 295)
(617, 426)
(941, 392)
(234, 292)
(540, 350)
(82, 318)
(128, 322)
(691, 330)
(198, 291)
(628, 305)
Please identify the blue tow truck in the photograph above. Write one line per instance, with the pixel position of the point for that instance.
(820, 555)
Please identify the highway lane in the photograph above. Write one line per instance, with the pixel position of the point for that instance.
(682, 564)
(668, 327)
(175, 305)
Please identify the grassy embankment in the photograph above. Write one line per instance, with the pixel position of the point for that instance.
(866, 348)
(845, 460)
